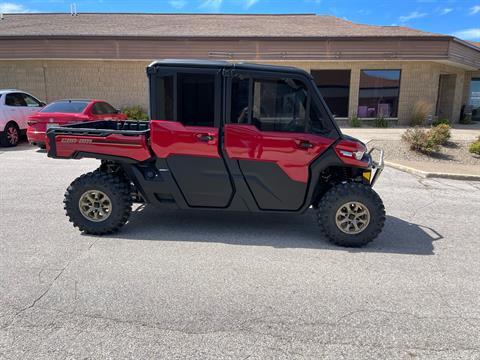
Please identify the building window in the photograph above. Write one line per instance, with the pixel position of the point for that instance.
(378, 96)
(334, 85)
(474, 100)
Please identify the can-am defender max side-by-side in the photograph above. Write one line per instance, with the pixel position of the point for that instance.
(232, 137)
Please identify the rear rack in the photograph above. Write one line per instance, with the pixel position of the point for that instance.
(103, 128)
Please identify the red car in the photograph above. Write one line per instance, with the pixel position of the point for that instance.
(63, 112)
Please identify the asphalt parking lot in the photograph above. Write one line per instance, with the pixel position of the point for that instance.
(177, 284)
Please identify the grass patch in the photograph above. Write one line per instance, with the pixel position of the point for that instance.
(355, 122)
(474, 147)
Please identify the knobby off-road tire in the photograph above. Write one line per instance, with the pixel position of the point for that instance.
(109, 198)
(343, 212)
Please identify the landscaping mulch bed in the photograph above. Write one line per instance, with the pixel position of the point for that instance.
(451, 153)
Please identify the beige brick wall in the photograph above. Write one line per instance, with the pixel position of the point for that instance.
(118, 82)
(125, 82)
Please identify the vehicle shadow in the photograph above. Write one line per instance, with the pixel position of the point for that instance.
(22, 146)
(275, 230)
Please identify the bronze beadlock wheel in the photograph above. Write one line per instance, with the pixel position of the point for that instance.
(352, 217)
(95, 205)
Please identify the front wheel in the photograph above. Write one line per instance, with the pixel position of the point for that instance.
(351, 214)
(98, 203)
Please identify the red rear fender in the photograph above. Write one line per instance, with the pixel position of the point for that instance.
(117, 145)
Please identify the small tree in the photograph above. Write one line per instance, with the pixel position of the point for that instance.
(135, 112)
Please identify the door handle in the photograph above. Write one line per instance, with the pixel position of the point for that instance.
(205, 137)
(304, 144)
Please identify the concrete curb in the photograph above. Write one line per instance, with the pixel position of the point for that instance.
(425, 174)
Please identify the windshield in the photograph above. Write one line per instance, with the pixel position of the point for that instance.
(71, 107)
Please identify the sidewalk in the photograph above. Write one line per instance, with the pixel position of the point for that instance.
(459, 132)
(390, 140)
(436, 170)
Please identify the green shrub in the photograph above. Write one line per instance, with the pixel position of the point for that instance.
(466, 119)
(355, 122)
(440, 134)
(135, 112)
(420, 111)
(420, 140)
(381, 122)
(474, 147)
(441, 121)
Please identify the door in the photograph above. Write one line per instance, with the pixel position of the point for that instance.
(15, 109)
(474, 100)
(31, 106)
(446, 92)
(274, 132)
(186, 134)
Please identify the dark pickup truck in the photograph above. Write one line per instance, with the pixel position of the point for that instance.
(231, 137)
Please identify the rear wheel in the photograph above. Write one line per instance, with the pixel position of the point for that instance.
(10, 135)
(98, 203)
(351, 214)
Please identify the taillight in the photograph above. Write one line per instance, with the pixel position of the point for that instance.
(351, 152)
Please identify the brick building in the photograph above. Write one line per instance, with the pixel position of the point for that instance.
(362, 70)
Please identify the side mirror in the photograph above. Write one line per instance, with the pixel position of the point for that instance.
(117, 111)
(42, 104)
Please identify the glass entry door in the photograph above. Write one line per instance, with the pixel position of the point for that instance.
(475, 98)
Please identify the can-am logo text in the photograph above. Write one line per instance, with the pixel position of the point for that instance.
(76, 141)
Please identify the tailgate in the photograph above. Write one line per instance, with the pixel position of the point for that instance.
(79, 142)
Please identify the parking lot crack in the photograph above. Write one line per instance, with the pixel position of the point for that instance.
(45, 292)
(51, 284)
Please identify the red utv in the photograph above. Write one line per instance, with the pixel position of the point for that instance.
(227, 137)
(64, 112)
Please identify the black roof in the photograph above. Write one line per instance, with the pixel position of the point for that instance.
(219, 64)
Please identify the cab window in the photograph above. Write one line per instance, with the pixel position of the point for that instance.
(71, 107)
(284, 105)
(102, 108)
(15, 99)
(31, 101)
(279, 105)
(196, 99)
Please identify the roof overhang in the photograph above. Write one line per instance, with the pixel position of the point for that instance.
(418, 48)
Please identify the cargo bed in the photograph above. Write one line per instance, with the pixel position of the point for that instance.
(101, 140)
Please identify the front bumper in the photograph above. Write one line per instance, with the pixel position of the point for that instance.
(377, 166)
